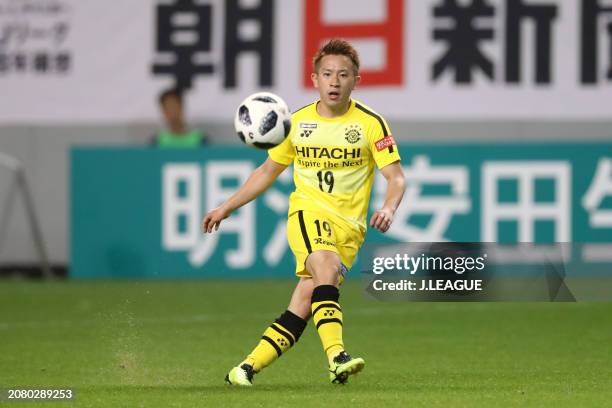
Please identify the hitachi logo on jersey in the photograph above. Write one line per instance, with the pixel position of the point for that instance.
(310, 152)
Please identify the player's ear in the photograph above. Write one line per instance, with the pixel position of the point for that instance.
(315, 79)
(357, 81)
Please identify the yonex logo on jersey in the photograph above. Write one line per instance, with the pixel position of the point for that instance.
(305, 133)
(308, 125)
(385, 142)
(352, 134)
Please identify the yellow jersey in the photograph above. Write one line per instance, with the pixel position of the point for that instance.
(334, 160)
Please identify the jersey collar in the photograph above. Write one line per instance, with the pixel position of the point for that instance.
(337, 118)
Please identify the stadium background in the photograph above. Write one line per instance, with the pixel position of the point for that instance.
(542, 93)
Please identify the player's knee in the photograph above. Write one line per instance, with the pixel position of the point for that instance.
(333, 266)
(325, 271)
(323, 263)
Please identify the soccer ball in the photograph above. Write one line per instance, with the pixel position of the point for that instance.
(263, 120)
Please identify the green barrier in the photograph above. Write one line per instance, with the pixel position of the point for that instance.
(136, 212)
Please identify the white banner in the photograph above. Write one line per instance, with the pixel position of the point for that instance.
(77, 61)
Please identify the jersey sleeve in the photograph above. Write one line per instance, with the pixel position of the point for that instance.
(284, 152)
(381, 143)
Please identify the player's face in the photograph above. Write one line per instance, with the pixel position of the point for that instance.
(335, 81)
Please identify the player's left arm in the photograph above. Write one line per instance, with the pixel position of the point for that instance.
(396, 184)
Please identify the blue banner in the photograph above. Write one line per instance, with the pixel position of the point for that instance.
(136, 212)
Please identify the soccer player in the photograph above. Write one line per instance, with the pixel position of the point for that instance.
(334, 145)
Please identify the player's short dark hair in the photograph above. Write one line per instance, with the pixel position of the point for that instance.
(172, 92)
(336, 46)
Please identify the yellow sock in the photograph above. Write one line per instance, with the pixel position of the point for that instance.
(276, 340)
(327, 317)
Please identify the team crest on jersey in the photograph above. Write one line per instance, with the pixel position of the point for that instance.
(352, 134)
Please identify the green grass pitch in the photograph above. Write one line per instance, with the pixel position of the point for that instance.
(166, 344)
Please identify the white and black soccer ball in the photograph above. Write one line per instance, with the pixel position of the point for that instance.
(263, 120)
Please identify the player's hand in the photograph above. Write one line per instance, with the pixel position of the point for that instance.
(212, 220)
(382, 219)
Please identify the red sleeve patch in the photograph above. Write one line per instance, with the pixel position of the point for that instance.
(385, 142)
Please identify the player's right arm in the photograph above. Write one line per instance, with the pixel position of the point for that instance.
(257, 183)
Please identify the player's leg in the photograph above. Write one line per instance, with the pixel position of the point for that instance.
(312, 238)
(313, 241)
(301, 298)
(327, 271)
(325, 307)
(278, 338)
(281, 335)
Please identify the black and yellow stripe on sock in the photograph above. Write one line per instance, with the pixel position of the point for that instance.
(279, 337)
(327, 317)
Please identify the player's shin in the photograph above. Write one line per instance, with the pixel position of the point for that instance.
(279, 337)
(327, 317)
